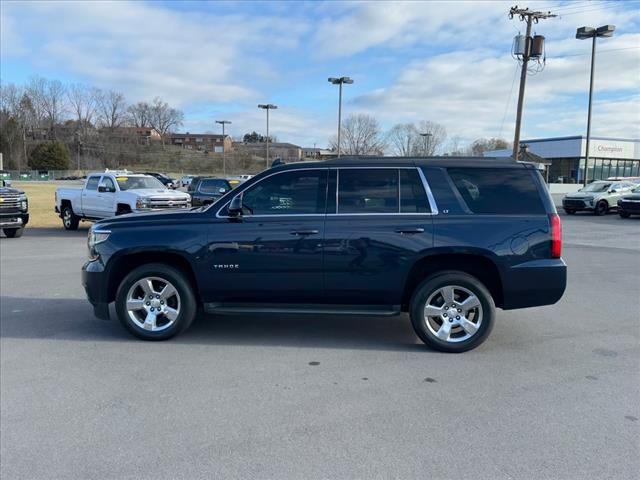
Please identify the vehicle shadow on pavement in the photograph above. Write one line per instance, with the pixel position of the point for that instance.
(73, 319)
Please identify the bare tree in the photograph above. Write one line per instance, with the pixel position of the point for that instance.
(455, 149)
(82, 100)
(482, 145)
(164, 118)
(35, 90)
(111, 107)
(402, 139)
(360, 135)
(139, 114)
(432, 136)
(48, 101)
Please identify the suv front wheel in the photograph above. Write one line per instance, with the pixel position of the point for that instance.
(155, 302)
(452, 312)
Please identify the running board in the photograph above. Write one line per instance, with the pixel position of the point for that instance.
(303, 309)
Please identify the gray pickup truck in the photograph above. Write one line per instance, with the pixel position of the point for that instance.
(14, 210)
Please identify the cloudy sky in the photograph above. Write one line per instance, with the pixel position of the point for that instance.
(447, 61)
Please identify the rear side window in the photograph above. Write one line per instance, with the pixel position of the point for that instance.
(368, 191)
(213, 186)
(413, 198)
(92, 183)
(497, 190)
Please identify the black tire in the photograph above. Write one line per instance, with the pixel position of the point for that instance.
(70, 220)
(569, 211)
(13, 232)
(123, 210)
(624, 214)
(188, 304)
(429, 287)
(602, 208)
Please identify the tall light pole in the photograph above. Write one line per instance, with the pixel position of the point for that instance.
(584, 33)
(267, 107)
(426, 136)
(224, 161)
(340, 81)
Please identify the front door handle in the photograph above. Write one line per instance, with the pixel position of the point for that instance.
(304, 232)
(410, 230)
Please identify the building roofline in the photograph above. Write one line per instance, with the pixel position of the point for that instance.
(577, 137)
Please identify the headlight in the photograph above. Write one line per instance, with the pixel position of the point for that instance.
(24, 203)
(95, 237)
(588, 199)
(142, 203)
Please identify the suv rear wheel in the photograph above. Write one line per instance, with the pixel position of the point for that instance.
(452, 312)
(155, 302)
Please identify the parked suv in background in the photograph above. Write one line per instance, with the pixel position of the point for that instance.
(446, 240)
(598, 197)
(14, 210)
(209, 190)
(630, 204)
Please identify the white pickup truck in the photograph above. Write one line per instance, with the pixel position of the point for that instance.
(115, 193)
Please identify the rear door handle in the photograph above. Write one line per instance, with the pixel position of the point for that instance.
(410, 230)
(304, 232)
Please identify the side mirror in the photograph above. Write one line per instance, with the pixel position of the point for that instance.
(613, 190)
(222, 190)
(104, 189)
(235, 206)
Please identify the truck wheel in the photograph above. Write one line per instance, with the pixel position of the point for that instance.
(602, 207)
(13, 232)
(155, 302)
(452, 312)
(620, 212)
(69, 219)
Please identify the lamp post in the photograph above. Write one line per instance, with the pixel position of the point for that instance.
(267, 107)
(583, 33)
(426, 136)
(224, 162)
(340, 81)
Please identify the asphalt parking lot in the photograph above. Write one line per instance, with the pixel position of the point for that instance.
(553, 393)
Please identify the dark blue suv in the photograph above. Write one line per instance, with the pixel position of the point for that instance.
(446, 240)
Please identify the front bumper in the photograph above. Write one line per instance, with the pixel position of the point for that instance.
(574, 204)
(94, 281)
(632, 208)
(534, 283)
(14, 220)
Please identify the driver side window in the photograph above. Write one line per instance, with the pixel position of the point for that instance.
(107, 182)
(295, 192)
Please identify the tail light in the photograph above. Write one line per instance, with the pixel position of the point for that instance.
(556, 236)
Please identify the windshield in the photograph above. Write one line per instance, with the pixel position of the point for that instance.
(136, 183)
(596, 187)
(213, 186)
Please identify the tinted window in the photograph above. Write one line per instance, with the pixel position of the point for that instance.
(211, 185)
(92, 183)
(368, 190)
(497, 190)
(413, 198)
(288, 193)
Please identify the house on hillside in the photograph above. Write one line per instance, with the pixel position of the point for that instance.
(207, 142)
(317, 153)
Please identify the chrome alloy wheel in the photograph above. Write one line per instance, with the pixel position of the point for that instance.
(153, 304)
(453, 313)
(66, 217)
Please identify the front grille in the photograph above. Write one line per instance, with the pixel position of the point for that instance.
(9, 201)
(573, 203)
(168, 203)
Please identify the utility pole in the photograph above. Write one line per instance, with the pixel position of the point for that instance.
(530, 16)
(340, 81)
(224, 162)
(267, 107)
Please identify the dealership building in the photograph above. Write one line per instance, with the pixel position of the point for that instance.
(608, 157)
